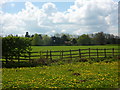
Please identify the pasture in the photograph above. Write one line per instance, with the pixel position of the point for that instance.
(67, 52)
(45, 48)
(73, 52)
(73, 75)
(64, 74)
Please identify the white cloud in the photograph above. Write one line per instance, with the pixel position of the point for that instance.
(85, 16)
(53, 31)
(63, 31)
(12, 5)
(4, 1)
(49, 8)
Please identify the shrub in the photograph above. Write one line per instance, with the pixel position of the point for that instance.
(41, 61)
(13, 46)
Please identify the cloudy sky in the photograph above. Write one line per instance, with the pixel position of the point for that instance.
(75, 17)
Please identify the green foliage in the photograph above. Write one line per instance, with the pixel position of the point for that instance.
(100, 38)
(37, 40)
(12, 64)
(46, 40)
(84, 40)
(64, 38)
(14, 46)
(74, 41)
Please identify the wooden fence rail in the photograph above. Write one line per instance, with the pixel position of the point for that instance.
(80, 53)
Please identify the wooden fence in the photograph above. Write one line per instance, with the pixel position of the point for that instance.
(70, 54)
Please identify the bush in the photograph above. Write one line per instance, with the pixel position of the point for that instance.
(13, 46)
(41, 61)
(12, 64)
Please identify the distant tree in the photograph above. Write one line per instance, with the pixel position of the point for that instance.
(74, 41)
(84, 40)
(64, 38)
(36, 41)
(117, 40)
(46, 40)
(55, 40)
(57, 35)
(32, 35)
(40, 36)
(108, 38)
(99, 38)
(27, 35)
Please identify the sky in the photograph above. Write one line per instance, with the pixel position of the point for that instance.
(75, 17)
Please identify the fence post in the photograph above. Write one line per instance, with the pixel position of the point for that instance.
(113, 52)
(47, 54)
(29, 56)
(105, 52)
(79, 53)
(6, 59)
(89, 52)
(61, 54)
(50, 55)
(18, 57)
(97, 53)
(70, 55)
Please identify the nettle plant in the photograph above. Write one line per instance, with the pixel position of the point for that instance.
(13, 46)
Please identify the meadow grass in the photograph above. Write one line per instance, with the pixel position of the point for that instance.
(54, 48)
(70, 75)
(64, 48)
(64, 75)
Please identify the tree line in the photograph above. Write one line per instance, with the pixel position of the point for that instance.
(99, 38)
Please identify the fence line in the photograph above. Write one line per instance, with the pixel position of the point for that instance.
(80, 53)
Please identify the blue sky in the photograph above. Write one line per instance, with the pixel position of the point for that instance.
(14, 7)
(77, 17)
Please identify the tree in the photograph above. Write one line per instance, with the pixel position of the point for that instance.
(64, 39)
(74, 41)
(55, 40)
(27, 35)
(99, 38)
(46, 40)
(84, 40)
(14, 46)
(40, 36)
(36, 41)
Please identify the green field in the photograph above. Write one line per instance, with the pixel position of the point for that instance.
(64, 48)
(64, 74)
(73, 75)
(45, 48)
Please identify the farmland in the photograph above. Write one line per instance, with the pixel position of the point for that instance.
(64, 74)
(45, 48)
(76, 75)
(58, 52)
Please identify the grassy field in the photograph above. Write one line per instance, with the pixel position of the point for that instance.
(64, 48)
(45, 48)
(62, 74)
(72, 75)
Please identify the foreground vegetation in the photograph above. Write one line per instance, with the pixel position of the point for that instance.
(63, 75)
(93, 73)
